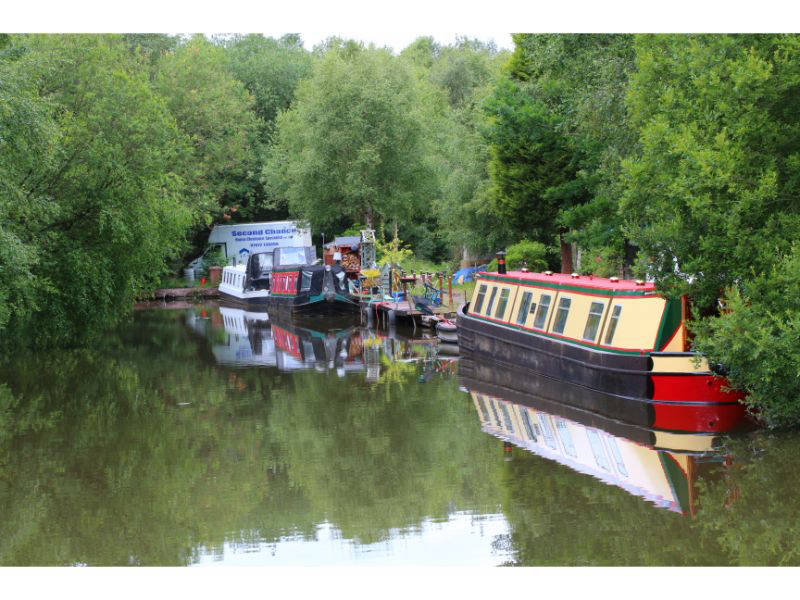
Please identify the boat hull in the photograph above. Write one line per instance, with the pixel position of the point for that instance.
(617, 386)
(305, 305)
(259, 301)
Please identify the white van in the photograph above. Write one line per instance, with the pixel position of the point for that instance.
(236, 242)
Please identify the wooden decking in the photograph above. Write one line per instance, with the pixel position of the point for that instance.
(384, 312)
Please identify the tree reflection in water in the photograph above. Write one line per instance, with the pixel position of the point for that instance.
(148, 449)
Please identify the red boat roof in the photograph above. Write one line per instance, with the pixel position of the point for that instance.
(584, 281)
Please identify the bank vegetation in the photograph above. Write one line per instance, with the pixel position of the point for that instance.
(673, 157)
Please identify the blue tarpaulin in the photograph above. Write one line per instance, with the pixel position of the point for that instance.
(467, 275)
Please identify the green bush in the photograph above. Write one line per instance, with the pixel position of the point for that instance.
(602, 262)
(532, 253)
(756, 339)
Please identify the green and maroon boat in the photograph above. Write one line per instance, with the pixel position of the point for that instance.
(298, 285)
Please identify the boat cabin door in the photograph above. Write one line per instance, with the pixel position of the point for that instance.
(259, 270)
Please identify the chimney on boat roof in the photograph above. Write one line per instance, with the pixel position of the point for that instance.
(501, 263)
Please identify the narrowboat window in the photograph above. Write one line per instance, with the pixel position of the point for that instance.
(507, 418)
(541, 314)
(561, 315)
(612, 444)
(523, 308)
(494, 411)
(479, 300)
(593, 322)
(549, 438)
(612, 323)
(501, 306)
(566, 438)
(597, 449)
(484, 410)
(491, 301)
(305, 281)
(526, 420)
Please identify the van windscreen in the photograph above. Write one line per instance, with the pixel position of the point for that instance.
(292, 256)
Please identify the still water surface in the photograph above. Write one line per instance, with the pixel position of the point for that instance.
(214, 436)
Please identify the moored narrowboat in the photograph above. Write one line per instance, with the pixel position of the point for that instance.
(300, 286)
(622, 340)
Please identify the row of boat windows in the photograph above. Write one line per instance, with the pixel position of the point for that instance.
(232, 278)
(606, 456)
(528, 306)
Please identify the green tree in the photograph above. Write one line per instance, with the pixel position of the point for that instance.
(270, 69)
(106, 209)
(351, 147)
(215, 111)
(711, 199)
(29, 140)
(462, 76)
(533, 169)
(558, 132)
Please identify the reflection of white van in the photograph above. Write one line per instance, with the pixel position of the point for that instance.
(236, 242)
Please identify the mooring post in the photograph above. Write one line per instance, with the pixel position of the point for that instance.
(450, 289)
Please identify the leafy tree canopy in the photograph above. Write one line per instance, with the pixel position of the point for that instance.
(711, 199)
(352, 144)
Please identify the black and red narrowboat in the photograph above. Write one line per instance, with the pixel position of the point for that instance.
(297, 285)
(624, 344)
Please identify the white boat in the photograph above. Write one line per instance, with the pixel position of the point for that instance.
(247, 283)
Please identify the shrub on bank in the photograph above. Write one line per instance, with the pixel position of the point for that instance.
(756, 339)
(534, 254)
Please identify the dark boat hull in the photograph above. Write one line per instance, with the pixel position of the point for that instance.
(306, 305)
(615, 386)
(630, 421)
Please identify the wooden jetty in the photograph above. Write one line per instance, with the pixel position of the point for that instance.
(384, 312)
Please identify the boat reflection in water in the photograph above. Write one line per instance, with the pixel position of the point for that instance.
(246, 338)
(660, 466)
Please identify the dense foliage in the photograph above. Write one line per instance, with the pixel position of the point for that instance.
(351, 146)
(670, 156)
(91, 202)
(756, 337)
(712, 198)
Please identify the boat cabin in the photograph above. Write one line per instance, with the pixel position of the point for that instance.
(604, 314)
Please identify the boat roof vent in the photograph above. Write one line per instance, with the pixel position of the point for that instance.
(575, 275)
(639, 282)
(614, 279)
(548, 272)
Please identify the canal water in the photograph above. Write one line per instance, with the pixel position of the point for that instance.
(208, 435)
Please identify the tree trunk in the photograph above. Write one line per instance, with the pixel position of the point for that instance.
(566, 254)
